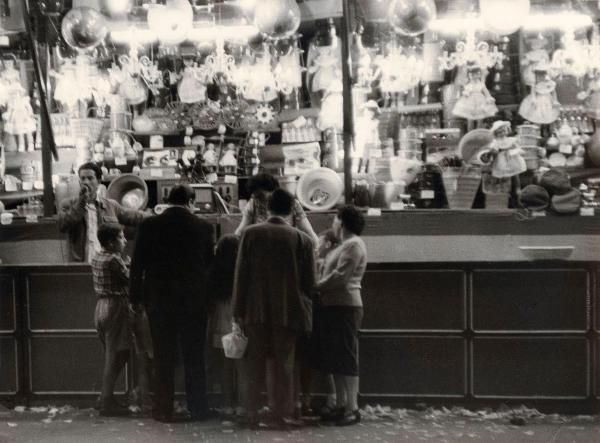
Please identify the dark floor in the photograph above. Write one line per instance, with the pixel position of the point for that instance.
(70, 425)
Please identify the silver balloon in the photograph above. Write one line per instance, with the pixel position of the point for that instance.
(411, 17)
(84, 28)
(277, 18)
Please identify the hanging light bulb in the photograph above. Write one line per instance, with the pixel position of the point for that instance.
(117, 8)
(171, 22)
(503, 16)
(411, 17)
(277, 18)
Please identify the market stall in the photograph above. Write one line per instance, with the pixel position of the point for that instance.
(468, 135)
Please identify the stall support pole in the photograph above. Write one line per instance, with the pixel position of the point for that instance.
(347, 99)
(48, 144)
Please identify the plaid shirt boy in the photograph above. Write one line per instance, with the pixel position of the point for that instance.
(111, 275)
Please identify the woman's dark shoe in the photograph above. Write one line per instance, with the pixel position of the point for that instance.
(331, 414)
(349, 419)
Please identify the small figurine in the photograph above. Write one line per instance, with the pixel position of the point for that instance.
(475, 102)
(210, 158)
(541, 105)
(228, 162)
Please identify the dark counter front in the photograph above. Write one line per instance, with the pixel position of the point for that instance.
(464, 333)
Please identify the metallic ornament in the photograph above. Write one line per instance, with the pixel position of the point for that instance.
(234, 113)
(264, 114)
(277, 18)
(411, 17)
(84, 28)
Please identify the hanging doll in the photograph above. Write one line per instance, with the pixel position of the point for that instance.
(191, 89)
(288, 72)
(541, 105)
(331, 114)
(366, 130)
(18, 118)
(475, 102)
(536, 55)
(260, 84)
(592, 96)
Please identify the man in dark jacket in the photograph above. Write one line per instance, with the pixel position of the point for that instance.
(274, 280)
(80, 216)
(169, 267)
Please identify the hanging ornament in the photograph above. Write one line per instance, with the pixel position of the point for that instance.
(118, 8)
(503, 16)
(411, 17)
(171, 22)
(277, 18)
(234, 113)
(83, 28)
(264, 114)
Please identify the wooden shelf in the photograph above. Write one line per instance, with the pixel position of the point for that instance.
(20, 195)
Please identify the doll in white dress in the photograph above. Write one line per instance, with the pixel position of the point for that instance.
(541, 105)
(535, 56)
(475, 102)
(508, 160)
(19, 120)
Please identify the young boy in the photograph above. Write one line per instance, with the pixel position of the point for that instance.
(111, 318)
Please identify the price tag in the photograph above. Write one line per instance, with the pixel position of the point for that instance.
(31, 218)
(538, 213)
(565, 149)
(156, 142)
(212, 177)
(374, 212)
(10, 186)
(586, 212)
(427, 194)
(397, 206)
(154, 172)
(231, 179)
(120, 161)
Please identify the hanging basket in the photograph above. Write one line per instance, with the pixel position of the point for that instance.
(461, 186)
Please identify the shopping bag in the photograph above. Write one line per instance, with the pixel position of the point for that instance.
(235, 343)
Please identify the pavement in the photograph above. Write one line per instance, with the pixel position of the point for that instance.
(379, 424)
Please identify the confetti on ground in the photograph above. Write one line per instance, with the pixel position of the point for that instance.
(20, 408)
(11, 425)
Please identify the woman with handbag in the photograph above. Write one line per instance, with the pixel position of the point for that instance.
(341, 313)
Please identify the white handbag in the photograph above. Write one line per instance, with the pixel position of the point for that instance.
(235, 343)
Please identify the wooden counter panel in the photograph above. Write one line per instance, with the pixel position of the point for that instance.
(67, 364)
(8, 366)
(61, 301)
(8, 297)
(531, 367)
(412, 366)
(414, 300)
(531, 300)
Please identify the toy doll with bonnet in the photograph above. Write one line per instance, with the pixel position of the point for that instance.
(475, 102)
(508, 160)
(541, 106)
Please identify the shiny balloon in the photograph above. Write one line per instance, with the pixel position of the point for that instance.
(503, 16)
(84, 28)
(411, 17)
(277, 18)
(171, 22)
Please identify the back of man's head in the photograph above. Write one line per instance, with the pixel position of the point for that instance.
(280, 202)
(181, 195)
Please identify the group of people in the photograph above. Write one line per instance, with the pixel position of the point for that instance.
(295, 295)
